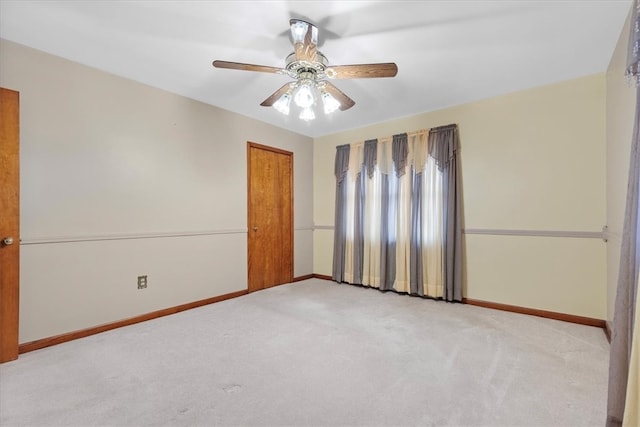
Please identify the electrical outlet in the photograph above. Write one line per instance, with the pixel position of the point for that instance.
(142, 282)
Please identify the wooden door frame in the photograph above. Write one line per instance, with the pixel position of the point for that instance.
(10, 276)
(250, 145)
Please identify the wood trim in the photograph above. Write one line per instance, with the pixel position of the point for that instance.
(293, 216)
(59, 339)
(598, 323)
(589, 321)
(248, 196)
(301, 278)
(268, 148)
(535, 312)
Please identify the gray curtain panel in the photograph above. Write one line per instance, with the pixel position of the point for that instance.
(387, 243)
(627, 290)
(443, 147)
(340, 223)
(370, 157)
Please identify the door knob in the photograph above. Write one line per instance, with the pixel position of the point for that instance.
(7, 241)
(255, 228)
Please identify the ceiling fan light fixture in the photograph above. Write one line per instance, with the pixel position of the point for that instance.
(330, 103)
(303, 96)
(299, 30)
(283, 103)
(307, 114)
(309, 68)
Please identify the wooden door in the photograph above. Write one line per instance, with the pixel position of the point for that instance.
(9, 223)
(270, 216)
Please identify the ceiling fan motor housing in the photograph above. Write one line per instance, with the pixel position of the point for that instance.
(299, 69)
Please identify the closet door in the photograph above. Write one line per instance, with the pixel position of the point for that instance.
(270, 216)
(9, 223)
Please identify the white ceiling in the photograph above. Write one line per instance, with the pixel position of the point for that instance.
(447, 52)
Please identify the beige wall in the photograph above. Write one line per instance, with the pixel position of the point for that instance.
(532, 160)
(104, 157)
(620, 111)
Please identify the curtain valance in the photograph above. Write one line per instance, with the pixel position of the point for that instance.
(395, 153)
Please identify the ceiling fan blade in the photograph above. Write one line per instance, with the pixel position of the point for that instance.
(276, 95)
(247, 67)
(344, 100)
(362, 71)
(305, 45)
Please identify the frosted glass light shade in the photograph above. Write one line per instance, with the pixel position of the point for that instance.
(299, 30)
(304, 96)
(282, 104)
(307, 114)
(330, 103)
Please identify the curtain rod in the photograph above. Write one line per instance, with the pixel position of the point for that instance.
(417, 132)
(421, 131)
(413, 133)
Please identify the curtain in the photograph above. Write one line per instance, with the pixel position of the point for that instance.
(340, 170)
(398, 214)
(632, 404)
(443, 146)
(623, 334)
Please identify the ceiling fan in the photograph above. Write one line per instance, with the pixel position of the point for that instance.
(310, 69)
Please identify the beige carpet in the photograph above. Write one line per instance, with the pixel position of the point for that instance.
(318, 353)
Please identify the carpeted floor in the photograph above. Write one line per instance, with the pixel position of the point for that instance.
(318, 353)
